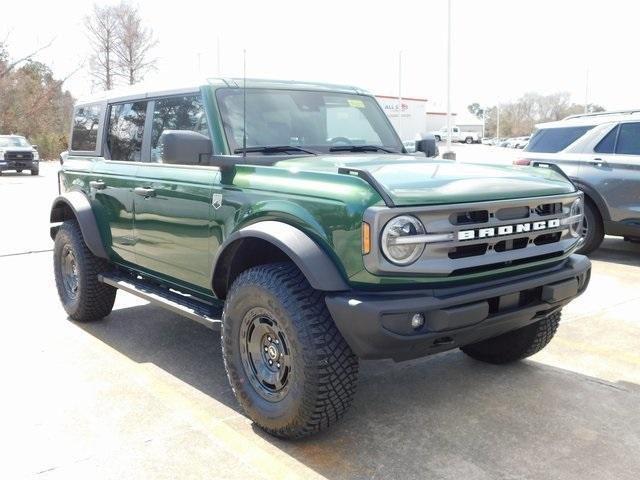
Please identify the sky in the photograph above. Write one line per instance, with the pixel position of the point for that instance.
(500, 49)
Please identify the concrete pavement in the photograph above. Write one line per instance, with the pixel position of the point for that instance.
(143, 393)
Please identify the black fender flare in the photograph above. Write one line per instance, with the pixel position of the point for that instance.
(79, 205)
(597, 199)
(316, 265)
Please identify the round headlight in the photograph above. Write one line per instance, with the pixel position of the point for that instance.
(576, 210)
(394, 249)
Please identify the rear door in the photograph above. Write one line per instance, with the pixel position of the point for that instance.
(114, 176)
(613, 169)
(173, 202)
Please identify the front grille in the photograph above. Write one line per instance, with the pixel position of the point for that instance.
(18, 156)
(486, 235)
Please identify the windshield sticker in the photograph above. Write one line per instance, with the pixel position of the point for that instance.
(353, 102)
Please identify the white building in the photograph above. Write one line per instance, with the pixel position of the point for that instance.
(414, 117)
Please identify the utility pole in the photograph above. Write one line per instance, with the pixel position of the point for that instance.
(586, 94)
(400, 94)
(449, 154)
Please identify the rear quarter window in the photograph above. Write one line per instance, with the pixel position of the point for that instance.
(552, 140)
(84, 135)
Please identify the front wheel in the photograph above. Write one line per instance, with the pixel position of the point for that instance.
(288, 365)
(517, 344)
(592, 229)
(35, 171)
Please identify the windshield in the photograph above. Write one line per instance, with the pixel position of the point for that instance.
(13, 142)
(313, 122)
(552, 140)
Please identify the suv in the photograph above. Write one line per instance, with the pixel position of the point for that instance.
(16, 153)
(601, 154)
(288, 215)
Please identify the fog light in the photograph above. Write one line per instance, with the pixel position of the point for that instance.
(417, 321)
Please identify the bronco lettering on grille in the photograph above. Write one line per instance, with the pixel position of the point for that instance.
(508, 229)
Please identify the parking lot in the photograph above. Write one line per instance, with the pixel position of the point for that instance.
(143, 394)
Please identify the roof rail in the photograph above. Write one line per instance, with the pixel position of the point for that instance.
(598, 114)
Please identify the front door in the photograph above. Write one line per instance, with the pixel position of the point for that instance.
(613, 169)
(173, 202)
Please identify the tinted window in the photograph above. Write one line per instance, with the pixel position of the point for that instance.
(608, 143)
(629, 139)
(176, 113)
(552, 140)
(126, 127)
(85, 128)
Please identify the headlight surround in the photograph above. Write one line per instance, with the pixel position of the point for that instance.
(402, 226)
(575, 229)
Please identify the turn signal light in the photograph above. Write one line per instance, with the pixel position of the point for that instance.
(366, 238)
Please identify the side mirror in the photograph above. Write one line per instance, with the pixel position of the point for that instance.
(428, 146)
(182, 147)
(35, 147)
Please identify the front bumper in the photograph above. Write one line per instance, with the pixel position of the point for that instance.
(18, 165)
(377, 325)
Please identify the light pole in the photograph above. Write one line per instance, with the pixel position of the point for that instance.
(400, 94)
(449, 154)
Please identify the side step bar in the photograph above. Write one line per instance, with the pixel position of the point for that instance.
(205, 313)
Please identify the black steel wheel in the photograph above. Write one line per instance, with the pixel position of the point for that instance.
(265, 354)
(288, 365)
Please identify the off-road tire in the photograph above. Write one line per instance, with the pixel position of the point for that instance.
(517, 344)
(35, 171)
(324, 370)
(593, 231)
(93, 299)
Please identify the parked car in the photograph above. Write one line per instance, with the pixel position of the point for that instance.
(16, 153)
(457, 135)
(293, 221)
(517, 142)
(601, 154)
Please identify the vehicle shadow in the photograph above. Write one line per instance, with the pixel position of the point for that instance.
(445, 416)
(616, 250)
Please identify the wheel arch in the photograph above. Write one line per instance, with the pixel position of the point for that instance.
(592, 194)
(76, 206)
(271, 241)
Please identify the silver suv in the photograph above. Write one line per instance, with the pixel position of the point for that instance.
(600, 152)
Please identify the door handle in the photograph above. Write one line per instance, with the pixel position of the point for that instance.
(598, 162)
(97, 184)
(144, 192)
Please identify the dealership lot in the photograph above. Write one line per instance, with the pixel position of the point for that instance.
(143, 394)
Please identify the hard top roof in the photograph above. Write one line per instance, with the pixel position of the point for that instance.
(154, 90)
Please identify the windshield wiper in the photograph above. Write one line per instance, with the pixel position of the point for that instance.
(360, 148)
(274, 149)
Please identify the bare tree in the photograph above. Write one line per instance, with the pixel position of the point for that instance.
(134, 45)
(102, 32)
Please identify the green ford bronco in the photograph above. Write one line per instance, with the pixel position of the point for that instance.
(289, 215)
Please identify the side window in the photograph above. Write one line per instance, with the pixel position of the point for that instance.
(126, 128)
(176, 113)
(85, 128)
(629, 139)
(608, 143)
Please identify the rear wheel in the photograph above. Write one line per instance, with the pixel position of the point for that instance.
(468, 140)
(288, 365)
(83, 296)
(592, 228)
(517, 344)
(438, 138)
